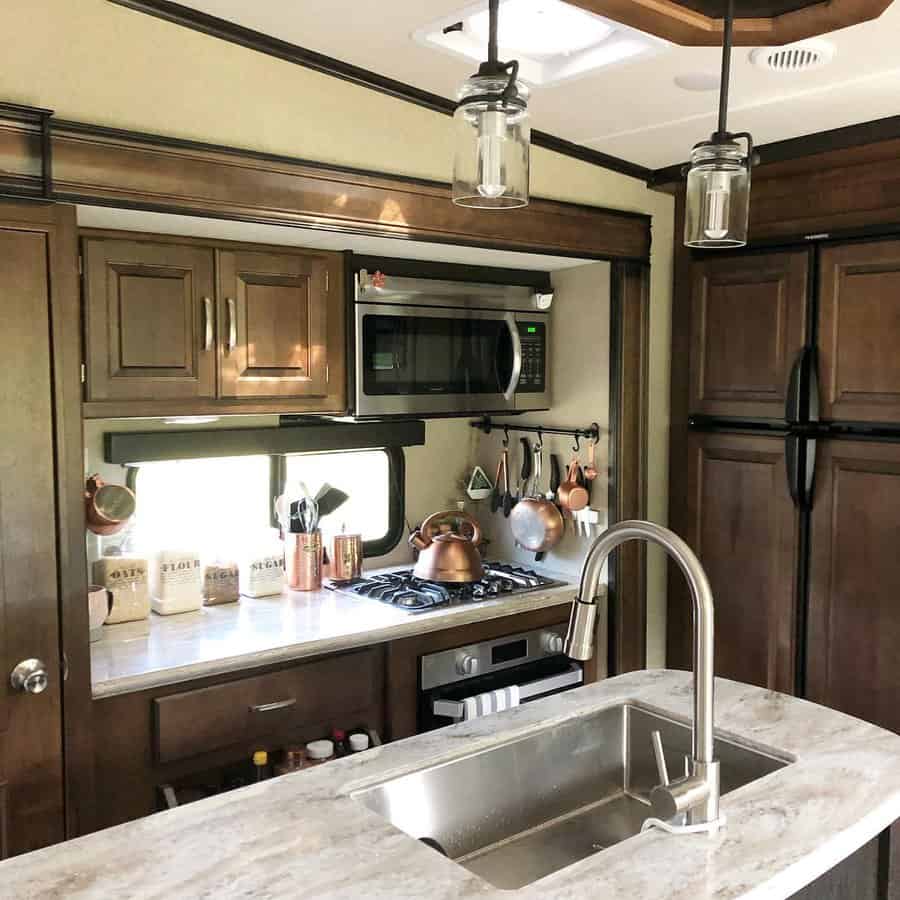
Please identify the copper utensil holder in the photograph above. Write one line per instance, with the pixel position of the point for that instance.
(304, 561)
(346, 557)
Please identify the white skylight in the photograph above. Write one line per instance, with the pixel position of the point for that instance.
(552, 40)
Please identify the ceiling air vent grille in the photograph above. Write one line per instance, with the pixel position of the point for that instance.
(801, 57)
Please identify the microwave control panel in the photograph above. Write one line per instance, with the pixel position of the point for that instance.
(533, 336)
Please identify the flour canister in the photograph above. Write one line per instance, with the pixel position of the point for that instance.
(176, 582)
(125, 577)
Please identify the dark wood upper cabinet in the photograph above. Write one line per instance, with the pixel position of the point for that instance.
(853, 660)
(273, 315)
(149, 321)
(744, 527)
(748, 324)
(184, 326)
(859, 332)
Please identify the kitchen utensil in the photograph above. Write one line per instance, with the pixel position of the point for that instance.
(536, 523)
(304, 516)
(525, 472)
(330, 501)
(497, 493)
(590, 470)
(507, 495)
(107, 506)
(555, 476)
(445, 556)
(572, 495)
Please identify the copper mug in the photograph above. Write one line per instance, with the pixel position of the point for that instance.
(303, 552)
(346, 557)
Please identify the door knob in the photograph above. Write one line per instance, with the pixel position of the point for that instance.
(30, 676)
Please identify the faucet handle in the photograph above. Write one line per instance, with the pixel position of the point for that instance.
(659, 754)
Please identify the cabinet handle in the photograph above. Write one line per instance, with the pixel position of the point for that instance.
(207, 324)
(232, 325)
(271, 707)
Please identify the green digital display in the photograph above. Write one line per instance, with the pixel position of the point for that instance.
(532, 329)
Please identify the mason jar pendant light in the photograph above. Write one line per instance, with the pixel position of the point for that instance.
(491, 133)
(718, 178)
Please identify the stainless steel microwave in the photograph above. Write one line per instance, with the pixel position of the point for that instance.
(424, 346)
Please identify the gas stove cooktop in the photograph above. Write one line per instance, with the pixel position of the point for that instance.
(403, 589)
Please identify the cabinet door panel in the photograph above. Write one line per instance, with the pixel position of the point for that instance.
(744, 528)
(274, 315)
(748, 323)
(853, 657)
(149, 321)
(859, 331)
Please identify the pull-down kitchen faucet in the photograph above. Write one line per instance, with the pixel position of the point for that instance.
(696, 794)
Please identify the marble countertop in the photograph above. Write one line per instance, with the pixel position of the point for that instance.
(303, 836)
(164, 650)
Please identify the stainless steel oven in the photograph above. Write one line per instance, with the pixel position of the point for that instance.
(429, 346)
(491, 676)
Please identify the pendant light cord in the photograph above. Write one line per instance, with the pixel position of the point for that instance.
(493, 15)
(726, 70)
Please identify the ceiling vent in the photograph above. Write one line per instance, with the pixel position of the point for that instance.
(804, 56)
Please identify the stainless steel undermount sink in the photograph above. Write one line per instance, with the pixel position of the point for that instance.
(519, 811)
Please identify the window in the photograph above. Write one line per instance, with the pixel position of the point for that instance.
(220, 505)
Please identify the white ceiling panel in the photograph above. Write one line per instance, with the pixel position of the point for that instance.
(633, 109)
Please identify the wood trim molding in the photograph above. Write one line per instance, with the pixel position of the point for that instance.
(110, 167)
(629, 414)
(328, 65)
(676, 22)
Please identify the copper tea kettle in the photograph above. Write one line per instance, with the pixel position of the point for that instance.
(445, 556)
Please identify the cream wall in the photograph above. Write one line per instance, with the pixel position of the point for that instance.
(96, 62)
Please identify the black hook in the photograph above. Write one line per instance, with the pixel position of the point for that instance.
(506, 435)
(540, 440)
(577, 447)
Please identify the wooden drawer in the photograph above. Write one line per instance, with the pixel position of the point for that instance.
(200, 721)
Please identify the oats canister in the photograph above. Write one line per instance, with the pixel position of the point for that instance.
(126, 579)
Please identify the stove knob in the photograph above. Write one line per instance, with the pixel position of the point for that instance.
(551, 642)
(466, 665)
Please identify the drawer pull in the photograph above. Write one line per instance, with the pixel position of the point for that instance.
(271, 707)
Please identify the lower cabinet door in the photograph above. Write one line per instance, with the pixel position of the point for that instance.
(744, 528)
(853, 653)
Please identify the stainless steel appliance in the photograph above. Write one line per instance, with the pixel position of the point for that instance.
(430, 346)
(404, 589)
(477, 679)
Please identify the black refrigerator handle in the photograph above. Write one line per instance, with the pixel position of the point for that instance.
(800, 462)
(802, 404)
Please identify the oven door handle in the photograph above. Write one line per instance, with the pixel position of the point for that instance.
(510, 392)
(455, 709)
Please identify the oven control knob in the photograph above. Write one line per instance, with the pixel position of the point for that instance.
(551, 642)
(466, 664)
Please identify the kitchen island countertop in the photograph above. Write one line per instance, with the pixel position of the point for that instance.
(303, 835)
(163, 650)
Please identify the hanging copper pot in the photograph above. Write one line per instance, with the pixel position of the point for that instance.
(107, 506)
(444, 555)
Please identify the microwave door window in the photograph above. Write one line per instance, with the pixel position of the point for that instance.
(435, 355)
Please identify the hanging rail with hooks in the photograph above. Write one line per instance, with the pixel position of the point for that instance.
(487, 425)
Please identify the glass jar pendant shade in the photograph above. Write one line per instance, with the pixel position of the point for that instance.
(717, 202)
(491, 134)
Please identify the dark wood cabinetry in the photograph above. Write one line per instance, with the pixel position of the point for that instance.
(172, 735)
(859, 332)
(748, 324)
(149, 320)
(273, 311)
(744, 528)
(180, 326)
(854, 613)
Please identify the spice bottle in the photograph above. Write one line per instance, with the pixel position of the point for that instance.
(261, 763)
